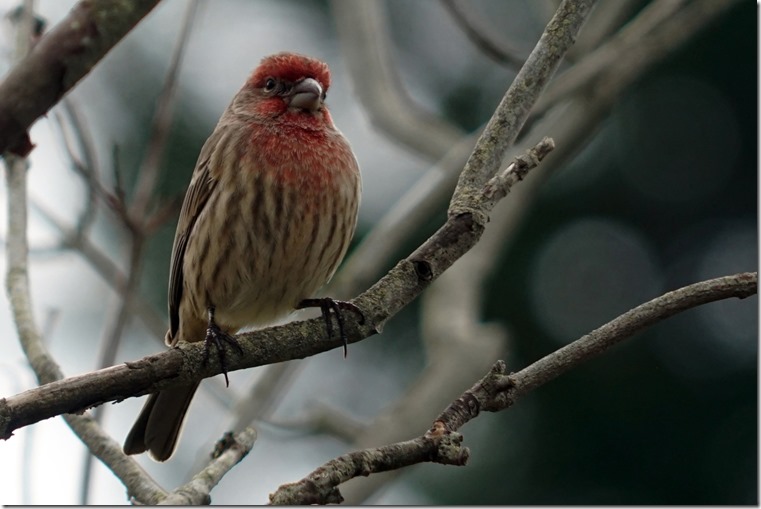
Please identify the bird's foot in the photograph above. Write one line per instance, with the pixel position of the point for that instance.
(217, 337)
(326, 305)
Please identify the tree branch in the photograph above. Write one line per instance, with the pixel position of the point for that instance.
(364, 265)
(184, 364)
(498, 391)
(230, 450)
(147, 175)
(180, 366)
(320, 487)
(58, 61)
(571, 127)
(512, 112)
(43, 364)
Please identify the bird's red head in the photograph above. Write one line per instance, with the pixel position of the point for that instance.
(292, 88)
(290, 67)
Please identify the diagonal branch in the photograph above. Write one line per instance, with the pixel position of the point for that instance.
(58, 61)
(498, 391)
(320, 487)
(184, 365)
(229, 452)
(572, 124)
(512, 112)
(403, 283)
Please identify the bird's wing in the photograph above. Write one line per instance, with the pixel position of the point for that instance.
(201, 186)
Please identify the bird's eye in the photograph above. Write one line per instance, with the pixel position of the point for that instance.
(270, 85)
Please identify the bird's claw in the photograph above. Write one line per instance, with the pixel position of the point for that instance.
(216, 336)
(326, 305)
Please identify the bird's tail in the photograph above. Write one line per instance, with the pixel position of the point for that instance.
(159, 424)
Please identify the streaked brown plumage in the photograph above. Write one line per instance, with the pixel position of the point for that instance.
(267, 218)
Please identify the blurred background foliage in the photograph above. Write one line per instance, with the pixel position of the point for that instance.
(664, 195)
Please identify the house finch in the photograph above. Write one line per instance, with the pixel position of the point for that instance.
(267, 218)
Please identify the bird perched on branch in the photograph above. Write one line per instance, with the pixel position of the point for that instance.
(267, 218)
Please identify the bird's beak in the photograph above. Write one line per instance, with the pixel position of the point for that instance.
(306, 95)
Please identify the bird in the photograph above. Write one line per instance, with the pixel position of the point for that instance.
(268, 216)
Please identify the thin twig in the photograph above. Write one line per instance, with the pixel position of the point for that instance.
(136, 216)
(512, 112)
(87, 168)
(321, 486)
(229, 452)
(106, 268)
(159, 132)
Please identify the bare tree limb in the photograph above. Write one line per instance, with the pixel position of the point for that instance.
(184, 364)
(106, 268)
(394, 291)
(44, 366)
(228, 453)
(364, 265)
(504, 126)
(320, 487)
(571, 124)
(159, 132)
(498, 390)
(58, 61)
